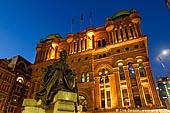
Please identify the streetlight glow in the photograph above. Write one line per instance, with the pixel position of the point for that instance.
(164, 52)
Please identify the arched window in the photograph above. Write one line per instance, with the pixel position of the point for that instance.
(83, 102)
(22, 65)
(104, 55)
(131, 70)
(121, 71)
(87, 77)
(105, 89)
(20, 79)
(142, 70)
(83, 77)
(29, 70)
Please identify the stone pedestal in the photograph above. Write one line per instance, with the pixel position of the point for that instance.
(32, 106)
(63, 102)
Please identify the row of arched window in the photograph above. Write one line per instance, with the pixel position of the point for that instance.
(85, 77)
(132, 71)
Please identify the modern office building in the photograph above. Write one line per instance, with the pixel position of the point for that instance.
(111, 62)
(15, 75)
(163, 84)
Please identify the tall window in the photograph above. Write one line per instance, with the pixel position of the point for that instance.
(131, 31)
(126, 32)
(83, 77)
(125, 97)
(99, 43)
(121, 33)
(87, 77)
(105, 89)
(78, 48)
(142, 70)
(121, 71)
(131, 70)
(103, 42)
(147, 95)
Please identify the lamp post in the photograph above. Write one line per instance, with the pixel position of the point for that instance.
(164, 55)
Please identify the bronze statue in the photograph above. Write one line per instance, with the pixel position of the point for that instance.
(58, 77)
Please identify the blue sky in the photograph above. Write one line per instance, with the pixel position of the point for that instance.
(24, 22)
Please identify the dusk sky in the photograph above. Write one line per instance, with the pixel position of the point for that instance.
(24, 22)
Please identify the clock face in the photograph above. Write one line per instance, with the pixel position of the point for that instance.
(69, 40)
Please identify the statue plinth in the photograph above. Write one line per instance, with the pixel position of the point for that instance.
(32, 106)
(63, 102)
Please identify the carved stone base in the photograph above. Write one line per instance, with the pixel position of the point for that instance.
(32, 106)
(64, 102)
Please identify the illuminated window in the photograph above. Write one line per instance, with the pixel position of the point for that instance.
(125, 97)
(20, 79)
(121, 71)
(105, 89)
(131, 70)
(83, 77)
(142, 70)
(87, 77)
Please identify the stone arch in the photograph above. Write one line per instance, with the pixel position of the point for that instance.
(140, 58)
(87, 96)
(119, 61)
(100, 66)
(130, 60)
(22, 64)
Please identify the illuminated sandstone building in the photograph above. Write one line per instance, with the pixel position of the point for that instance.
(111, 62)
(15, 75)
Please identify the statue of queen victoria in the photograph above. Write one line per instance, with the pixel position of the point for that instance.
(58, 77)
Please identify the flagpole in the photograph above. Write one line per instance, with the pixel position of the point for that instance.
(90, 17)
(72, 21)
(71, 28)
(81, 20)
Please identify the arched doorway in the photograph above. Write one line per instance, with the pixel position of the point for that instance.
(83, 102)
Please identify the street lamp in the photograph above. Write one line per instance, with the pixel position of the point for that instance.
(163, 55)
(166, 52)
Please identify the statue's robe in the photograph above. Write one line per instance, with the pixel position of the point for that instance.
(57, 78)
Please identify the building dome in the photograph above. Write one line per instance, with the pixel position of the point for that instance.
(120, 14)
(53, 36)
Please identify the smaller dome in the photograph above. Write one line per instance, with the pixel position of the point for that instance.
(53, 36)
(121, 13)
